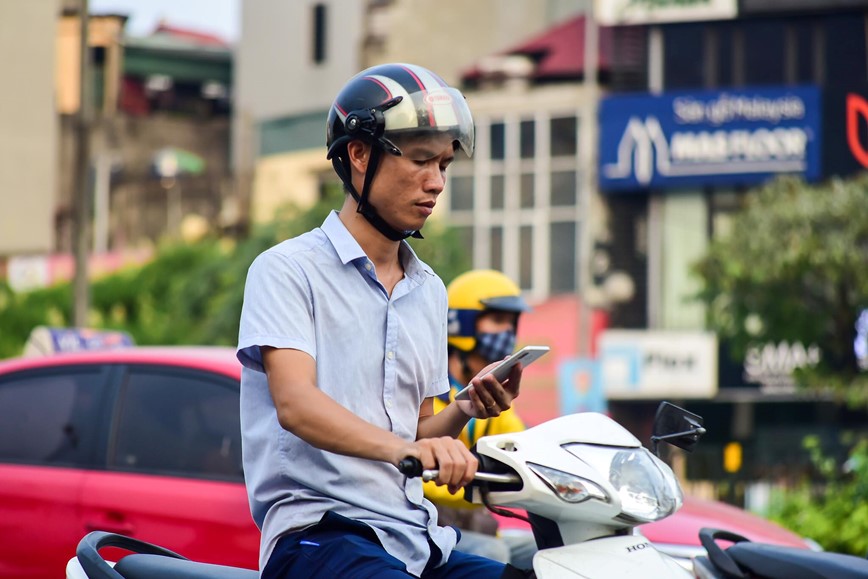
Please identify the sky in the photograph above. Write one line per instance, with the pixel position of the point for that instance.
(220, 17)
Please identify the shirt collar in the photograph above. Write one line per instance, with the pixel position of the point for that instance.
(348, 249)
(346, 246)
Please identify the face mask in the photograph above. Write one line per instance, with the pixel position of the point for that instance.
(495, 347)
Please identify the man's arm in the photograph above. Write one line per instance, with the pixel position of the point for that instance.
(312, 415)
(316, 418)
(448, 422)
(487, 400)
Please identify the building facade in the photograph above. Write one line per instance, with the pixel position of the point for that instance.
(154, 103)
(734, 94)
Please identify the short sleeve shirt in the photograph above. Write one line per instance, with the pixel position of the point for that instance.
(376, 355)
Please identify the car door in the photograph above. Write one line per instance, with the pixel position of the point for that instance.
(49, 423)
(174, 473)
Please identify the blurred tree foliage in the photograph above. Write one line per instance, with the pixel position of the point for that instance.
(795, 269)
(831, 509)
(191, 293)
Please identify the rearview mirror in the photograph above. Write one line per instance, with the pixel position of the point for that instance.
(676, 426)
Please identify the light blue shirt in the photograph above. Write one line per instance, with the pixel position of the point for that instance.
(377, 356)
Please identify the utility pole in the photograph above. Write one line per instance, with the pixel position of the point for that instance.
(82, 201)
(590, 207)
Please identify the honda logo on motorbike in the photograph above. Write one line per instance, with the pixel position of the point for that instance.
(637, 547)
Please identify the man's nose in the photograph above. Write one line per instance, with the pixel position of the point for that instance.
(435, 181)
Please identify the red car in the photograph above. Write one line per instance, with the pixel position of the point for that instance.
(141, 441)
(146, 442)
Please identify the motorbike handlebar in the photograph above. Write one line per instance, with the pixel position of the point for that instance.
(412, 467)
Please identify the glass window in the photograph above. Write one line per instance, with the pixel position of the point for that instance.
(179, 423)
(563, 257)
(564, 134)
(764, 43)
(845, 47)
(527, 195)
(564, 189)
(497, 247)
(498, 185)
(682, 46)
(461, 193)
(525, 258)
(527, 142)
(498, 141)
(804, 32)
(724, 56)
(50, 418)
(320, 26)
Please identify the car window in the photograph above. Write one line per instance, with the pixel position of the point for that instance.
(48, 417)
(179, 423)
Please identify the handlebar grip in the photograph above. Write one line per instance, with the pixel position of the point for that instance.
(410, 466)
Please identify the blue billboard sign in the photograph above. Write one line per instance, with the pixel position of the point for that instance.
(732, 137)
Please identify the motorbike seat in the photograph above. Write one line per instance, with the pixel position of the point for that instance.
(790, 562)
(141, 566)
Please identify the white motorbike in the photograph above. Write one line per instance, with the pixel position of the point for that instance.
(586, 484)
(584, 480)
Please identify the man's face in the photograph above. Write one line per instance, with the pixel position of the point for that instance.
(494, 322)
(406, 188)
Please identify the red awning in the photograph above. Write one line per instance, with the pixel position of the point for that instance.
(557, 53)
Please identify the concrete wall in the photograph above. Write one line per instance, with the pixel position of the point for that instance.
(277, 80)
(450, 35)
(685, 239)
(288, 178)
(28, 126)
(275, 73)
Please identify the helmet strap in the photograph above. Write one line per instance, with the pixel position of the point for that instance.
(368, 125)
(368, 211)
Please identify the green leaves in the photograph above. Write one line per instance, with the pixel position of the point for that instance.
(190, 293)
(795, 268)
(834, 512)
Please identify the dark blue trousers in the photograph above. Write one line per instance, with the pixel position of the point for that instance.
(338, 547)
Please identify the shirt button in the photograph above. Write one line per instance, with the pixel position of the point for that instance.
(388, 403)
(368, 266)
(390, 355)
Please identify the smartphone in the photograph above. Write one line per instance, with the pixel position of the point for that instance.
(524, 356)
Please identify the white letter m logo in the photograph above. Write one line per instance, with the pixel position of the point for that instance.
(640, 143)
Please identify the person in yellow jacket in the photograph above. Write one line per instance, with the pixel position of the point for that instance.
(484, 308)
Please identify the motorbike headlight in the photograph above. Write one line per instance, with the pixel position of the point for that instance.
(647, 491)
(566, 486)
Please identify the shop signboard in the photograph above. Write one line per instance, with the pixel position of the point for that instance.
(768, 367)
(615, 12)
(646, 364)
(778, 6)
(845, 129)
(705, 138)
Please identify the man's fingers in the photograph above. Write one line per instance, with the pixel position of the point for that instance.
(456, 464)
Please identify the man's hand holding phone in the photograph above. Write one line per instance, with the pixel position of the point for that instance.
(492, 390)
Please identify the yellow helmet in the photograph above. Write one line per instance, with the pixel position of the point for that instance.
(474, 292)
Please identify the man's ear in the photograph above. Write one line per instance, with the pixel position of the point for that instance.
(359, 152)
